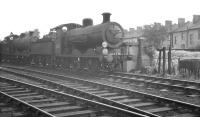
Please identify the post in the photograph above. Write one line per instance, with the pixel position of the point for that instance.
(164, 61)
(169, 60)
(139, 55)
(171, 40)
(53, 49)
(53, 55)
(159, 60)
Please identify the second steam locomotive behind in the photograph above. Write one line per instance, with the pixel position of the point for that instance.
(74, 46)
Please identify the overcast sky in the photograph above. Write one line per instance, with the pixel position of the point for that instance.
(23, 15)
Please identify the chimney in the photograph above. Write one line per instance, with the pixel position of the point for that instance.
(139, 28)
(87, 22)
(106, 17)
(168, 23)
(147, 26)
(196, 19)
(181, 22)
(131, 29)
(139, 31)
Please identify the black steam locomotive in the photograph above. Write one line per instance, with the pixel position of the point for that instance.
(73, 46)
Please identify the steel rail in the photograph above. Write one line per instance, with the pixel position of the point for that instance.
(165, 100)
(63, 96)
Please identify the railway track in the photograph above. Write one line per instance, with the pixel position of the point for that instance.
(132, 100)
(44, 102)
(185, 87)
(7, 109)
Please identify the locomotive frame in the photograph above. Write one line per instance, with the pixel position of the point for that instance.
(78, 47)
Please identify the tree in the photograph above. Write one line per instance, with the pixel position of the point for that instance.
(155, 34)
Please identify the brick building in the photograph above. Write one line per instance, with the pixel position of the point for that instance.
(186, 35)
